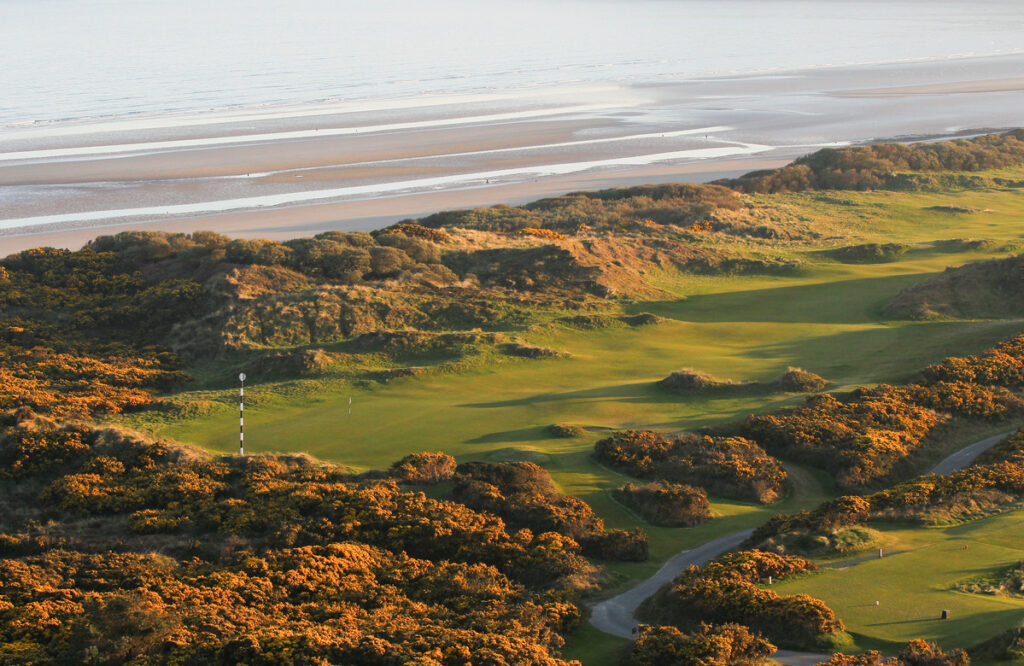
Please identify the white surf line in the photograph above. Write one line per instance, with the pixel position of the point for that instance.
(178, 144)
(564, 144)
(205, 117)
(378, 188)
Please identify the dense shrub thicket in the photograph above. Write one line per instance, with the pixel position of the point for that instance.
(859, 440)
(863, 438)
(1003, 365)
(80, 332)
(994, 481)
(915, 653)
(423, 469)
(709, 645)
(262, 560)
(525, 496)
(616, 209)
(726, 590)
(728, 466)
(879, 166)
(666, 504)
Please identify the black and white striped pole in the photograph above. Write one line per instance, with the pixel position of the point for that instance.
(241, 414)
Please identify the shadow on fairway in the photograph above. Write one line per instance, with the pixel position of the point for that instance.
(856, 301)
(632, 392)
(517, 435)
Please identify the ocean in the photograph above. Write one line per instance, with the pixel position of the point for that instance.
(85, 59)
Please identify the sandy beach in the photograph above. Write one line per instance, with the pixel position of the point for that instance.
(1015, 84)
(287, 172)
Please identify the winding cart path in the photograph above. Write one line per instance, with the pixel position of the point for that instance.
(615, 616)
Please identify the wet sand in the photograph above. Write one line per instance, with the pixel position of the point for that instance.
(952, 88)
(281, 173)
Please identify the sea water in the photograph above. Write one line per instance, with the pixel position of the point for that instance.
(73, 59)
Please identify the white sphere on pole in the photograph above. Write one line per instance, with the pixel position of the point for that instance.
(241, 376)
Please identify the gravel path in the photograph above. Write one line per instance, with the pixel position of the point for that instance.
(966, 455)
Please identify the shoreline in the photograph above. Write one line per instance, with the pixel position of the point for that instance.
(368, 164)
(374, 213)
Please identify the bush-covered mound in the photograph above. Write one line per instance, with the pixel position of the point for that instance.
(823, 542)
(423, 469)
(794, 380)
(524, 495)
(709, 645)
(117, 549)
(886, 165)
(566, 430)
(798, 380)
(860, 439)
(727, 466)
(666, 504)
(1003, 365)
(994, 483)
(1006, 646)
(865, 437)
(1006, 583)
(993, 288)
(915, 653)
(870, 253)
(726, 589)
(616, 209)
(694, 381)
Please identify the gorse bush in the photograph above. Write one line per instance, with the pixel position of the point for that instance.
(666, 504)
(995, 481)
(710, 645)
(860, 439)
(726, 590)
(425, 468)
(524, 495)
(1003, 365)
(915, 653)
(729, 466)
(262, 560)
(864, 437)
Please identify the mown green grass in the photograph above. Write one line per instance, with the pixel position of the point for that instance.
(745, 328)
(914, 581)
(608, 382)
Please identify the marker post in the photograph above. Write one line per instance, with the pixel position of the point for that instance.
(241, 414)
